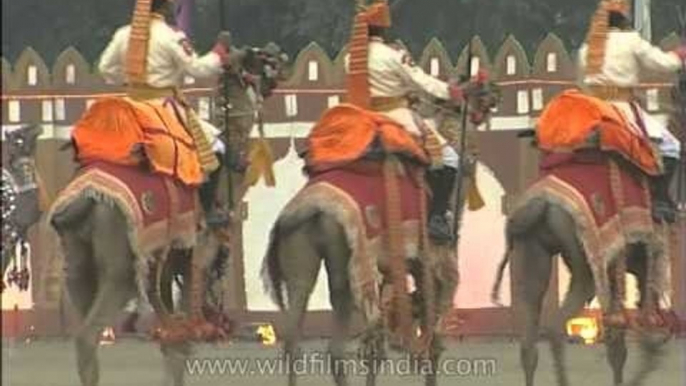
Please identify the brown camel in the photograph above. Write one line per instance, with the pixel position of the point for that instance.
(101, 264)
(100, 280)
(302, 241)
(537, 232)
(298, 249)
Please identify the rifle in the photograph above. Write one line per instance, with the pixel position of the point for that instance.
(679, 117)
(225, 108)
(457, 216)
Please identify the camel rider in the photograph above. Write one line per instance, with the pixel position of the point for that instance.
(152, 58)
(611, 62)
(384, 84)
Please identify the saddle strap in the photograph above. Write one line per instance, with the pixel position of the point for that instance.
(428, 277)
(400, 310)
(620, 269)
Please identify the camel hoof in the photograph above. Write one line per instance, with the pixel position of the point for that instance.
(652, 320)
(616, 320)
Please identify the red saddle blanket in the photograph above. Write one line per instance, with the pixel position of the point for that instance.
(596, 181)
(363, 183)
(355, 197)
(159, 209)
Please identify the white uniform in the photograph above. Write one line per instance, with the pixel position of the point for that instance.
(214, 135)
(626, 54)
(392, 73)
(170, 57)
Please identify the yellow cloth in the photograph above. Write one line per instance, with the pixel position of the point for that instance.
(261, 164)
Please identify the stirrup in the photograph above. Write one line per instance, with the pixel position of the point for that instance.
(440, 230)
(217, 219)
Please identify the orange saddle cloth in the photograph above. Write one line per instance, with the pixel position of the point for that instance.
(569, 119)
(346, 132)
(111, 128)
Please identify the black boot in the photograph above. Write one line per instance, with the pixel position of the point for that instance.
(664, 208)
(441, 182)
(208, 199)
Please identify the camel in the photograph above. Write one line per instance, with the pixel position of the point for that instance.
(102, 263)
(540, 229)
(22, 193)
(304, 240)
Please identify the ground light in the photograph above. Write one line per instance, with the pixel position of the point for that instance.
(585, 328)
(266, 334)
(107, 337)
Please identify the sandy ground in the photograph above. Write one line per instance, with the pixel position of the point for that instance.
(480, 363)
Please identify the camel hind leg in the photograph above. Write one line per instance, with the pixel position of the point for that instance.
(532, 265)
(651, 341)
(300, 262)
(336, 256)
(615, 337)
(81, 284)
(581, 287)
(581, 291)
(112, 263)
(176, 354)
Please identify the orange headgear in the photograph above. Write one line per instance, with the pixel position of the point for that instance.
(376, 15)
(596, 39)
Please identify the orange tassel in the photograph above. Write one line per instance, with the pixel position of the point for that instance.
(137, 55)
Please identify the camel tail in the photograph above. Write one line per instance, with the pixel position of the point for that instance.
(272, 274)
(495, 293)
(518, 223)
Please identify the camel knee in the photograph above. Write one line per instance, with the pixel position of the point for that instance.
(582, 286)
(120, 275)
(117, 277)
(86, 341)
